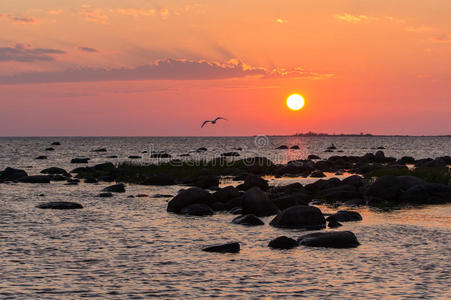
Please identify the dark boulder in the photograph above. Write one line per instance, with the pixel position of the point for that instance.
(116, 188)
(226, 248)
(406, 182)
(91, 180)
(283, 147)
(56, 144)
(407, 160)
(55, 170)
(100, 150)
(201, 149)
(105, 195)
(379, 157)
(332, 239)
(248, 220)
(11, 174)
(35, 179)
(134, 157)
(313, 156)
(354, 202)
(345, 216)
(205, 181)
(317, 174)
(197, 209)
(60, 205)
(79, 160)
(301, 216)
(188, 197)
(256, 202)
(354, 180)
(159, 180)
(295, 147)
(283, 242)
(299, 198)
(106, 167)
(230, 154)
(428, 193)
(226, 194)
(160, 155)
(50, 149)
(253, 181)
(385, 187)
(332, 222)
(41, 157)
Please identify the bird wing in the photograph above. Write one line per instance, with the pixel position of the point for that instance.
(220, 118)
(203, 124)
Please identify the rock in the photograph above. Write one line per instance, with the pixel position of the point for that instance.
(229, 154)
(317, 174)
(201, 149)
(116, 188)
(328, 150)
(142, 196)
(253, 181)
(100, 150)
(332, 147)
(332, 239)
(332, 222)
(313, 156)
(292, 200)
(35, 179)
(354, 202)
(379, 157)
(107, 167)
(226, 194)
(283, 242)
(381, 147)
(130, 196)
(55, 170)
(345, 216)
(248, 220)
(50, 149)
(367, 158)
(161, 196)
(105, 195)
(11, 174)
(226, 248)
(91, 180)
(428, 193)
(58, 177)
(283, 147)
(134, 157)
(256, 202)
(354, 180)
(295, 147)
(73, 180)
(56, 144)
(112, 156)
(406, 182)
(159, 180)
(301, 216)
(206, 182)
(197, 209)
(41, 157)
(60, 205)
(407, 160)
(160, 155)
(236, 211)
(79, 160)
(185, 155)
(340, 193)
(188, 197)
(385, 187)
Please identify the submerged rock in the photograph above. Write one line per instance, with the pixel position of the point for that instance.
(160, 155)
(79, 160)
(333, 239)
(226, 248)
(116, 188)
(134, 157)
(50, 149)
(100, 150)
(345, 216)
(197, 209)
(60, 205)
(283, 242)
(295, 147)
(303, 217)
(313, 156)
(248, 220)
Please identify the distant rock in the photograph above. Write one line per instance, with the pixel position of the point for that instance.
(201, 149)
(112, 156)
(318, 174)
(345, 216)
(105, 195)
(50, 149)
(79, 160)
(407, 160)
(41, 157)
(301, 216)
(134, 157)
(35, 179)
(91, 180)
(142, 195)
(379, 157)
(11, 174)
(248, 220)
(226, 248)
(160, 180)
(354, 202)
(60, 205)
(162, 196)
(100, 150)
(55, 170)
(56, 144)
(331, 147)
(256, 202)
(313, 156)
(253, 181)
(283, 242)
(116, 188)
(295, 147)
(283, 147)
(197, 209)
(381, 147)
(160, 155)
(229, 154)
(332, 239)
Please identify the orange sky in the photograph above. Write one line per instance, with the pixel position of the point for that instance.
(138, 67)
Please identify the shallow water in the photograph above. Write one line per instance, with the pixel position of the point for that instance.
(132, 248)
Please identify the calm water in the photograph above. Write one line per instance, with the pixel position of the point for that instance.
(132, 248)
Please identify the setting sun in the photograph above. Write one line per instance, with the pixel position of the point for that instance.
(295, 102)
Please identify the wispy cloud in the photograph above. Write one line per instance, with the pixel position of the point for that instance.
(88, 49)
(23, 53)
(135, 12)
(54, 12)
(95, 15)
(280, 21)
(17, 19)
(354, 19)
(170, 69)
(442, 38)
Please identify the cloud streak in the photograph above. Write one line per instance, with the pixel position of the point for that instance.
(88, 50)
(17, 19)
(22, 53)
(170, 69)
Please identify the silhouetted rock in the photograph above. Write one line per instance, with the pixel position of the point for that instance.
(105, 195)
(162, 196)
(197, 209)
(41, 157)
(55, 170)
(56, 144)
(381, 147)
(116, 188)
(112, 156)
(379, 157)
(295, 147)
(253, 181)
(91, 180)
(354, 180)
(332, 147)
(345, 216)
(204, 181)
(283, 242)
(160, 155)
(60, 205)
(332, 222)
(313, 156)
(226, 194)
(134, 157)
(79, 160)
(332, 239)
(407, 160)
(229, 154)
(317, 174)
(354, 202)
(385, 187)
(283, 147)
(305, 217)
(188, 197)
(226, 248)
(298, 198)
(100, 150)
(11, 174)
(236, 211)
(248, 220)
(256, 202)
(201, 149)
(50, 149)
(428, 193)
(142, 195)
(35, 179)
(160, 180)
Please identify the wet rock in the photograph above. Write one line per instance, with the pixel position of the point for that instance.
(428, 193)
(226, 248)
(354, 202)
(385, 187)
(50, 149)
(11, 174)
(56, 144)
(313, 156)
(79, 160)
(295, 147)
(367, 158)
(323, 184)
(130, 196)
(381, 147)
(226, 194)
(236, 211)
(253, 181)
(188, 197)
(256, 202)
(134, 157)
(116, 188)
(230, 154)
(345, 216)
(161, 196)
(332, 222)
(317, 174)
(197, 209)
(438, 162)
(60, 205)
(354, 180)
(304, 217)
(41, 157)
(55, 170)
(283, 242)
(159, 180)
(332, 239)
(283, 147)
(105, 195)
(248, 220)
(58, 177)
(73, 180)
(100, 150)
(35, 179)
(406, 182)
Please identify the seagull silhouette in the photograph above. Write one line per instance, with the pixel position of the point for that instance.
(212, 122)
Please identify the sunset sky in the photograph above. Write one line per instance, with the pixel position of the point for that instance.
(147, 68)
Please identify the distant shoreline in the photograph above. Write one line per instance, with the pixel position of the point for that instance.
(218, 136)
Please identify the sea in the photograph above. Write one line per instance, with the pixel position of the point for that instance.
(132, 248)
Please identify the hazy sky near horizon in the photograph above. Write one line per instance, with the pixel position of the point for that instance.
(140, 67)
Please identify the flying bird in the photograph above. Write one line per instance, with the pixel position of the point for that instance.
(212, 122)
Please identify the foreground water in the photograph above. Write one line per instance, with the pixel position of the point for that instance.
(132, 248)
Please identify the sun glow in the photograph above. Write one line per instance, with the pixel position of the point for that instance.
(295, 102)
